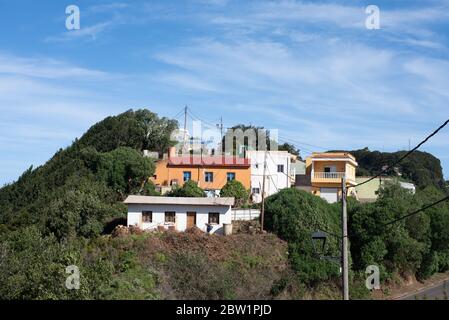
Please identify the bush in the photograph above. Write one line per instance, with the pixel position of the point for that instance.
(189, 189)
(293, 215)
(236, 190)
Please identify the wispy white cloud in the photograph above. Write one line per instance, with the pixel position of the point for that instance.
(44, 68)
(113, 6)
(88, 33)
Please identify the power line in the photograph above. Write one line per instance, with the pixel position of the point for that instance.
(210, 123)
(180, 112)
(417, 211)
(296, 145)
(302, 143)
(427, 206)
(406, 155)
(293, 178)
(272, 180)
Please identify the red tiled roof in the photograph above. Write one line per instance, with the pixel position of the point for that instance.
(221, 161)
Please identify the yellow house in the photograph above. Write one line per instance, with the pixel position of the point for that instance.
(211, 173)
(325, 171)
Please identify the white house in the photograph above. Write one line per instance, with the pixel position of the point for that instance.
(278, 173)
(179, 213)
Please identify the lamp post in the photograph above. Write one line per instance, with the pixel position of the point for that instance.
(342, 260)
(319, 239)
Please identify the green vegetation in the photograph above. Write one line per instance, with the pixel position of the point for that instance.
(293, 215)
(235, 189)
(81, 187)
(148, 266)
(417, 246)
(421, 168)
(189, 189)
(61, 214)
(289, 148)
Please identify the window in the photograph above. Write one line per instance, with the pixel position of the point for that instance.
(330, 169)
(209, 176)
(187, 175)
(214, 218)
(280, 168)
(147, 216)
(170, 216)
(256, 190)
(230, 176)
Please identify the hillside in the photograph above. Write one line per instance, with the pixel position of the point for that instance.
(78, 190)
(168, 265)
(422, 168)
(62, 212)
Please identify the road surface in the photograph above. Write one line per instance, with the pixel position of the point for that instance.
(438, 292)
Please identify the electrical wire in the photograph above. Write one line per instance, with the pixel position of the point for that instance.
(428, 206)
(406, 155)
(302, 143)
(194, 116)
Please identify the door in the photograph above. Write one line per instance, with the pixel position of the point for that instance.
(191, 219)
(329, 194)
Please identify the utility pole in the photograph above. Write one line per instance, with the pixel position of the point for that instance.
(185, 130)
(344, 242)
(262, 211)
(221, 127)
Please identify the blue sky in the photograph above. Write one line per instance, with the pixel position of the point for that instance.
(309, 69)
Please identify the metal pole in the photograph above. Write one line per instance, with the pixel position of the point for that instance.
(344, 241)
(185, 130)
(262, 211)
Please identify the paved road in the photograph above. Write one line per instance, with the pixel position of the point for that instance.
(438, 292)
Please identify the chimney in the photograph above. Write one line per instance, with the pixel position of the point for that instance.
(171, 152)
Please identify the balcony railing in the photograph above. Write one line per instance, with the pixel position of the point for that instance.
(328, 175)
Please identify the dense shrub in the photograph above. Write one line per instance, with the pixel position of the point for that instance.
(293, 215)
(189, 189)
(235, 189)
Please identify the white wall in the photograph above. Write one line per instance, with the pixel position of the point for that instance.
(274, 180)
(202, 215)
(245, 214)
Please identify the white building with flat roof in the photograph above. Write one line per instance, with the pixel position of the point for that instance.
(278, 173)
(179, 213)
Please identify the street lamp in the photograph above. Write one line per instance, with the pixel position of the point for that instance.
(319, 239)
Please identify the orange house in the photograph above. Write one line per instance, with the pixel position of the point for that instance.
(325, 171)
(210, 172)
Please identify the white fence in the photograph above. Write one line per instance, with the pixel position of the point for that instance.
(329, 175)
(245, 214)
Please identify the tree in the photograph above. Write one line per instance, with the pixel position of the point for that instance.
(421, 168)
(293, 215)
(125, 169)
(189, 189)
(398, 248)
(289, 148)
(141, 129)
(235, 188)
(256, 131)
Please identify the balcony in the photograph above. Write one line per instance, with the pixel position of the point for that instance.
(331, 177)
